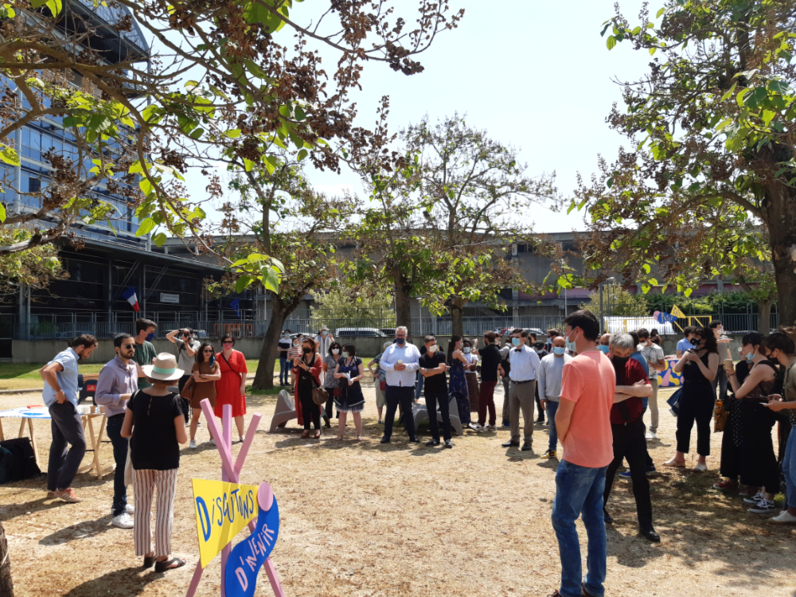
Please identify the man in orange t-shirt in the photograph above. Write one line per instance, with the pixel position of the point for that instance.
(583, 422)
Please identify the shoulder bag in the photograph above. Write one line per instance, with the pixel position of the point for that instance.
(319, 394)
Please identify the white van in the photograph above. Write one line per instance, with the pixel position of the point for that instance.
(361, 332)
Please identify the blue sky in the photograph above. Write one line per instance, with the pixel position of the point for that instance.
(535, 74)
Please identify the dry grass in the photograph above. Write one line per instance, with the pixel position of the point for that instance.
(372, 520)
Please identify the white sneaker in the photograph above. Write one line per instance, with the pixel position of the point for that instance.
(192, 445)
(130, 509)
(652, 435)
(783, 517)
(211, 441)
(123, 521)
(700, 468)
(475, 427)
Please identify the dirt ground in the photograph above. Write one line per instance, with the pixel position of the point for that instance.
(362, 519)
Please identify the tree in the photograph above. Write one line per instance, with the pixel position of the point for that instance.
(138, 128)
(351, 307)
(34, 267)
(473, 187)
(711, 169)
(279, 228)
(615, 300)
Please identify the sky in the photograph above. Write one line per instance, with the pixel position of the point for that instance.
(534, 74)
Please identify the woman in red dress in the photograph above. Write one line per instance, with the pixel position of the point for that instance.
(307, 373)
(230, 389)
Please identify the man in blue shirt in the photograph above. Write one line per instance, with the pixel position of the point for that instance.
(685, 343)
(400, 363)
(61, 395)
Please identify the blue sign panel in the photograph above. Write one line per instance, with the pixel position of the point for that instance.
(248, 556)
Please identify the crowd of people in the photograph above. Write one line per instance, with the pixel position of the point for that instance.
(594, 389)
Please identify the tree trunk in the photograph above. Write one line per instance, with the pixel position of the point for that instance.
(264, 378)
(457, 316)
(6, 586)
(781, 222)
(403, 300)
(764, 317)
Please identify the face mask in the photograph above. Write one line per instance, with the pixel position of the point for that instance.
(400, 341)
(150, 337)
(345, 354)
(620, 362)
(307, 350)
(515, 341)
(604, 348)
(285, 335)
(559, 350)
(324, 333)
(571, 346)
(750, 356)
(335, 351)
(295, 343)
(694, 341)
(467, 350)
(432, 349)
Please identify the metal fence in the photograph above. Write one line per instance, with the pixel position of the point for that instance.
(57, 328)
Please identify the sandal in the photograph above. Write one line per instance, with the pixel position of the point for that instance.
(359, 438)
(306, 434)
(339, 438)
(317, 434)
(149, 561)
(673, 462)
(171, 564)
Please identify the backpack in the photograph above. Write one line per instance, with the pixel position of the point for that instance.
(20, 462)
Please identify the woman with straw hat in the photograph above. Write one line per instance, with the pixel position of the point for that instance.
(156, 425)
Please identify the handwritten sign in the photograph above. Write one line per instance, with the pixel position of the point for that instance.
(222, 510)
(248, 556)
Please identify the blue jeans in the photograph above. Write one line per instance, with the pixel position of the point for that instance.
(579, 491)
(119, 443)
(552, 408)
(283, 371)
(789, 469)
(419, 386)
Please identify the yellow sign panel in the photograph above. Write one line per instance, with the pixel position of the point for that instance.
(222, 510)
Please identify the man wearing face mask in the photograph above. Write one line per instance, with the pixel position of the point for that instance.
(627, 427)
(604, 344)
(400, 362)
(323, 340)
(654, 356)
(524, 365)
(433, 366)
(145, 351)
(284, 346)
(551, 370)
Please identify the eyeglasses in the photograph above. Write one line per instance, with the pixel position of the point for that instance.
(129, 346)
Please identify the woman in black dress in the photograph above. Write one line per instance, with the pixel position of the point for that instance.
(699, 367)
(349, 372)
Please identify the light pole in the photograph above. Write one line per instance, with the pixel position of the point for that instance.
(602, 312)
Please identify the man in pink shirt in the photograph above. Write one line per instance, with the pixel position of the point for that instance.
(583, 421)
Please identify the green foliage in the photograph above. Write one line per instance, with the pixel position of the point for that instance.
(361, 308)
(34, 267)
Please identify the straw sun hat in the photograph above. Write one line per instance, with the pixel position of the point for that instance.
(163, 368)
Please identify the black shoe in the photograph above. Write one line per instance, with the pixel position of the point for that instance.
(511, 444)
(608, 518)
(540, 420)
(526, 447)
(650, 535)
(432, 442)
(385, 440)
(414, 440)
(584, 592)
(448, 443)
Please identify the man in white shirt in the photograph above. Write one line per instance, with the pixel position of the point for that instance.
(657, 362)
(524, 364)
(551, 371)
(400, 363)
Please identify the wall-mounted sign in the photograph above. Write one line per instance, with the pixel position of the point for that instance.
(174, 299)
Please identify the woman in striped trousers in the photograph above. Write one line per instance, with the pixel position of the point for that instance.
(156, 425)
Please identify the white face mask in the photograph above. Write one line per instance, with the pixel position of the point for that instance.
(432, 349)
(335, 350)
(466, 350)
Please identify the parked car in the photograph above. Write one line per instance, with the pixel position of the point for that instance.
(388, 331)
(361, 332)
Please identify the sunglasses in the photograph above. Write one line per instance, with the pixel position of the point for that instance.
(128, 346)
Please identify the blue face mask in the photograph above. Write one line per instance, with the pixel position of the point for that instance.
(466, 350)
(750, 356)
(570, 346)
(604, 348)
(345, 354)
(324, 333)
(516, 341)
(150, 337)
(559, 350)
(400, 341)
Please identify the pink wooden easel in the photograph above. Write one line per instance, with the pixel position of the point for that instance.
(232, 474)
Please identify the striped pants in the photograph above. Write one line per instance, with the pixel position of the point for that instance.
(144, 483)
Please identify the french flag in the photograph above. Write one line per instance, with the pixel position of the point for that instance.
(129, 294)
